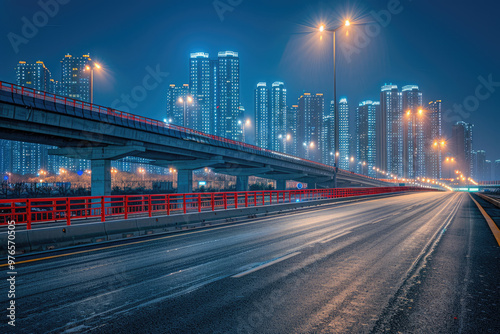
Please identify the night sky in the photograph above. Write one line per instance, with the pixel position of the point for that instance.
(442, 46)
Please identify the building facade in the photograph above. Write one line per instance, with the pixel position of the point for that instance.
(462, 147)
(309, 126)
(391, 106)
(366, 148)
(178, 105)
(278, 131)
(414, 139)
(344, 138)
(75, 79)
(262, 116)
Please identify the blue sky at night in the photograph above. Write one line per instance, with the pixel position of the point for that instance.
(442, 46)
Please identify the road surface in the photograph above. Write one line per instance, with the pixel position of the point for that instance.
(415, 263)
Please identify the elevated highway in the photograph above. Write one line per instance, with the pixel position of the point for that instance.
(100, 134)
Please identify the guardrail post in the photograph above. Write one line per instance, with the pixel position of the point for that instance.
(28, 214)
(225, 201)
(199, 202)
(126, 207)
(168, 205)
(184, 203)
(150, 206)
(68, 211)
(236, 200)
(246, 199)
(213, 202)
(103, 213)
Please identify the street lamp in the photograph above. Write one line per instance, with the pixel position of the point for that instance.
(322, 28)
(188, 99)
(91, 69)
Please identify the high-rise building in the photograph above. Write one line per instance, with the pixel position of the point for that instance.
(5, 156)
(461, 146)
(496, 173)
(309, 124)
(278, 131)
(27, 158)
(366, 148)
(228, 96)
(480, 172)
(35, 76)
(75, 81)
(436, 146)
(202, 72)
(344, 144)
(391, 106)
(291, 124)
(328, 135)
(414, 139)
(177, 100)
(262, 116)
(20, 157)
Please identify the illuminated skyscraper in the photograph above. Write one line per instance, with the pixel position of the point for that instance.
(414, 139)
(461, 146)
(201, 88)
(436, 145)
(278, 131)
(75, 81)
(228, 96)
(35, 76)
(344, 145)
(309, 124)
(328, 136)
(391, 109)
(291, 124)
(262, 116)
(366, 148)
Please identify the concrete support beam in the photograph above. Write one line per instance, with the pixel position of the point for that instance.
(100, 178)
(243, 171)
(281, 184)
(295, 177)
(185, 181)
(98, 153)
(190, 164)
(242, 183)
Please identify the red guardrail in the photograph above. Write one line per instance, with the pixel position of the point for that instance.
(70, 209)
(30, 92)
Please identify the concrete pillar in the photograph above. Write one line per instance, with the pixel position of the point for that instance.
(101, 178)
(280, 184)
(241, 183)
(185, 181)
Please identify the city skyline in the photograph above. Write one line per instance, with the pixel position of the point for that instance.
(289, 55)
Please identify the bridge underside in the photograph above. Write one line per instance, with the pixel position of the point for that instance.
(84, 135)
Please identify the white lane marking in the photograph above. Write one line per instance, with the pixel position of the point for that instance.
(265, 265)
(335, 237)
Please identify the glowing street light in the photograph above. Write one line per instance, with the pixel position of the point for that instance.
(322, 28)
(91, 68)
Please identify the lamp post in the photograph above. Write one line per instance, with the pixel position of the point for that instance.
(91, 69)
(188, 99)
(336, 110)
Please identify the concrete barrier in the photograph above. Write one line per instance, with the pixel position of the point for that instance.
(121, 229)
(22, 243)
(59, 237)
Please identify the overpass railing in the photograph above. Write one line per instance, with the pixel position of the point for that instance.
(73, 209)
(149, 122)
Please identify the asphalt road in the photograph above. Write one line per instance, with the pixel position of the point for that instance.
(417, 263)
